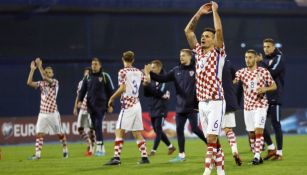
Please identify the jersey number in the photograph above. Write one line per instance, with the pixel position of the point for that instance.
(135, 87)
(216, 125)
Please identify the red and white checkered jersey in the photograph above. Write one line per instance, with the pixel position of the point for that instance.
(49, 92)
(209, 67)
(252, 80)
(83, 105)
(132, 78)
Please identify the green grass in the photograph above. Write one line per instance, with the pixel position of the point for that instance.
(14, 160)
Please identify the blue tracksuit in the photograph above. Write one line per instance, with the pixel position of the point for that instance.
(158, 109)
(275, 64)
(99, 88)
(232, 93)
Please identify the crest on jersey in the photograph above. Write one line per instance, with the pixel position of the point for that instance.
(191, 73)
(100, 79)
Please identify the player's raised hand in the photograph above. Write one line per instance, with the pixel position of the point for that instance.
(205, 9)
(38, 62)
(33, 66)
(214, 6)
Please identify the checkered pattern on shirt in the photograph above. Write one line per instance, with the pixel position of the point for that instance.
(209, 68)
(262, 78)
(49, 92)
(131, 77)
(84, 102)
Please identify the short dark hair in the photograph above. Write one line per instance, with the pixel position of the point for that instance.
(269, 40)
(209, 29)
(49, 67)
(252, 51)
(188, 51)
(128, 56)
(96, 59)
(157, 62)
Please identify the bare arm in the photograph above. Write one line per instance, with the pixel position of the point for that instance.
(219, 39)
(30, 77)
(190, 28)
(118, 93)
(189, 31)
(39, 64)
(75, 111)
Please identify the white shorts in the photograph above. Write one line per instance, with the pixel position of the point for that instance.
(229, 120)
(211, 115)
(49, 123)
(84, 119)
(255, 118)
(131, 119)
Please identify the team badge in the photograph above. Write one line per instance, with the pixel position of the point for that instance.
(191, 73)
(100, 79)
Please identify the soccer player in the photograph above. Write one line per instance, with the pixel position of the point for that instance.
(232, 96)
(49, 120)
(257, 81)
(158, 107)
(183, 77)
(274, 63)
(130, 117)
(210, 57)
(84, 121)
(98, 87)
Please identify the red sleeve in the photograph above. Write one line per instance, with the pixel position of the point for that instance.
(238, 75)
(121, 77)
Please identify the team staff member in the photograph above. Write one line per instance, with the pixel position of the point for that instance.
(158, 107)
(274, 63)
(99, 87)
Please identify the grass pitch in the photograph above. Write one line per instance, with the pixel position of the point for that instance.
(14, 160)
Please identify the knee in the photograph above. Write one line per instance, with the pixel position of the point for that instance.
(158, 127)
(80, 130)
(251, 134)
(226, 130)
(195, 129)
(39, 135)
(158, 131)
(119, 133)
(98, 125)
(275, 123)
(259, 131)
(180, 131)
(137, 135)
(61, 136)
(212, 138)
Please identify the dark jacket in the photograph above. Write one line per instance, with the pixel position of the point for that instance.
(277, 69)
(158, 105)
(184, 81)
(99, 88)
(232, 92)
